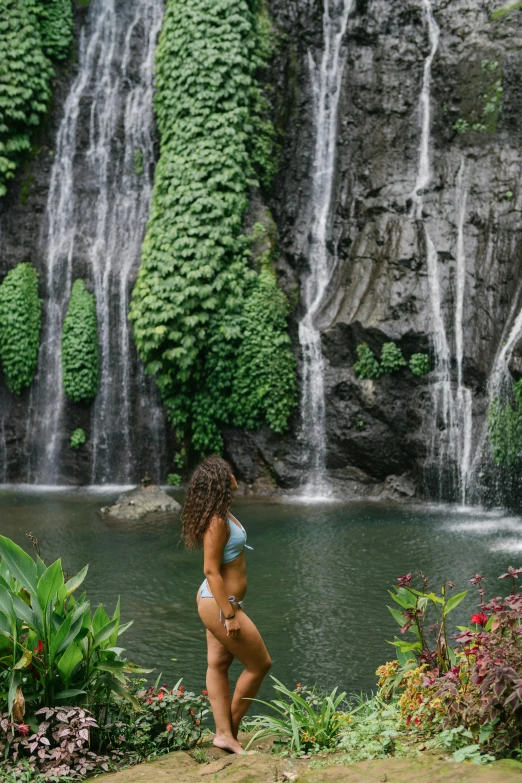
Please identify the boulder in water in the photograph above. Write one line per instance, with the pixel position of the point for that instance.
(141, 502)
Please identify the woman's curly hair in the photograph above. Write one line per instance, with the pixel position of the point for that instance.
(209, 494)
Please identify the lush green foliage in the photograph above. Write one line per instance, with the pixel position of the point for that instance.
(56, 26)
(485, 118)
(78, 438)
(367, 366)
(52, 647)
(419, 364)
(174, 479)
(195, 291)
(505, 428)
(31, 31)
(305, 722)
(169, 719)
(473, 690)
(20, 323)
(80, 346)
(391, 358)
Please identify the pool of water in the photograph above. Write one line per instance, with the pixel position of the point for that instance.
(318, 576)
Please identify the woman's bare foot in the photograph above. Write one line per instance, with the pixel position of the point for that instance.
(228, 743)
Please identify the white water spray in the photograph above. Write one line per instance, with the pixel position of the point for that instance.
(452, 409)
(97, 208)
(326, 79)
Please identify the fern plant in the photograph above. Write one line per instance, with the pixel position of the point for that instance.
(391, 358)
(20, 324)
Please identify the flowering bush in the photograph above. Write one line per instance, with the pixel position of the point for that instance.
(169, 719)
(475, 684)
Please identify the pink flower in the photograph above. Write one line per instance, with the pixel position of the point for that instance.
(23, 729)
(161, 696)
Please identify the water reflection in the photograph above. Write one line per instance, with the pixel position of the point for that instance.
(318, 576)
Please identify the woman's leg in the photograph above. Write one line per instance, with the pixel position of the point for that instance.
(218, 687)
(248, 647)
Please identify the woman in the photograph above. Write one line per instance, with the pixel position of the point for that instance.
(231, 633)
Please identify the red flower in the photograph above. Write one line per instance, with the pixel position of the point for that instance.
(161, 696)
(149, 701)
(205, 693)
(192, 712)
(198, 722)
(39, 648)
(23, 729)
(479, 618)
(404, 581)
(298, 685)
(181, 687)
(179, 693)
(169, 726)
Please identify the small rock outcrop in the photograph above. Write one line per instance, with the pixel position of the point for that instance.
(141, 502)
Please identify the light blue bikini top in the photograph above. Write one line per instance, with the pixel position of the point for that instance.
(236, 542)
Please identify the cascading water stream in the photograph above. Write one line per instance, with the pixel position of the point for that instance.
(326, 79)
(452, 433)
(99, 197)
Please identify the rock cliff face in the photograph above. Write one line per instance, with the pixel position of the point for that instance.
(384, 288)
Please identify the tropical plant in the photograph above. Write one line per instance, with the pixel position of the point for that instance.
(475, 685)
(20, 323)
(391, 358)
(56, 26)
(306, 721)
(78, 438)
(80, 346)
(367, 365)
(169, 719)
(420, 364)
(52, 647)
(58, 748)
(196, 296)
(174, 479)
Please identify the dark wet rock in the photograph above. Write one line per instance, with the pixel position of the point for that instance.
(140, 503)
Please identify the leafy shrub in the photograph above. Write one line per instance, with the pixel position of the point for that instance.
(195, 286)
(31, 32)
(367, 365)
(420, 364)
(391, 358)
(174, 479)
(78, 438)
(168, 720)
(505, 428)
(306, 722)
(80, 346)
(51, 646)
(20, 323)
(477, 684)
(59, 747)
(372, 731)
(56, 26)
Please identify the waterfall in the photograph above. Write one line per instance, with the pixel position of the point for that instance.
(98, 203)
(326, 79)
(451, 439)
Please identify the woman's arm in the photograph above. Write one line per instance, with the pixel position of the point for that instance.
(214, 541)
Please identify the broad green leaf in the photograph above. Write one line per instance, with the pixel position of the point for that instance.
(406, 646)
(49, 583)
(99, 620)
(24, 612)
(75, 581)
(454, 601)
(20, 565)
(6, 602)
(106, 632)
(69, 694)
(14, 681)
(69, 661)
(124, 627)
(398, 616)
(60, 636)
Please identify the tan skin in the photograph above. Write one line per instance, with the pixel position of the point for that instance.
(237, 638)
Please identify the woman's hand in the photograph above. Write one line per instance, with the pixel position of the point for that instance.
(232, 627)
